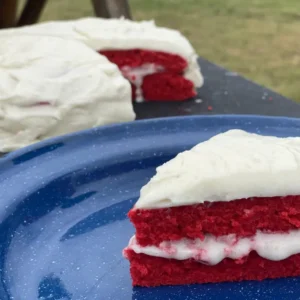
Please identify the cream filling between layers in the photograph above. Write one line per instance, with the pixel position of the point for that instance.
(136, 76)
(212, 250)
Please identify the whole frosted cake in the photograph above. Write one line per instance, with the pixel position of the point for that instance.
(159, 62)
(227, 210)
(51, 86)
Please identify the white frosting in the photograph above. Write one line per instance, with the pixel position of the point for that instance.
(77, 87)
(212, 250)
(136, 76)
(109, 34)
(229, 166)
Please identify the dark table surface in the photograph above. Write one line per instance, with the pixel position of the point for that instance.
(223, 92)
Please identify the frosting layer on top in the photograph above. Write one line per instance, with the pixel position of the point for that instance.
(229, 166)
(51, 86)
(107, 34)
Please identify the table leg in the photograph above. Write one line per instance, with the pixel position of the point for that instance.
(31, 12)
(112, 8)
(8, 12)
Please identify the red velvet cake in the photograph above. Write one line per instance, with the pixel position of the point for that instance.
(160, 63)
(227, 210)
(154, 75)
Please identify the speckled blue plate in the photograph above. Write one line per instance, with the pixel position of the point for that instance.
(64, 203)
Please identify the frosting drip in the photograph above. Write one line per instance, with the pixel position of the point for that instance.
(212, 250)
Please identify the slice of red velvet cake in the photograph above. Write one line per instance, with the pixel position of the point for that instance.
(227, 210)
(160, 63)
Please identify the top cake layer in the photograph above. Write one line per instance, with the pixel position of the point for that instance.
(233, 165)
(51, 86)
(108, 34)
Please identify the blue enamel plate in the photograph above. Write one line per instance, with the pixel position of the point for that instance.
(64, 205)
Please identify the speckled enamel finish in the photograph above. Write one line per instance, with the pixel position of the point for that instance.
(64, 204)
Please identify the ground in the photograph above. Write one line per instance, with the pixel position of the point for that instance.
(259, 39)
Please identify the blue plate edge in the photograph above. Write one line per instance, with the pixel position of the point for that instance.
(14, 154)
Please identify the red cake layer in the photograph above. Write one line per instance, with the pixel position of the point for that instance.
(137, 57)
(241, 217)
(167, 87)
(155, 271)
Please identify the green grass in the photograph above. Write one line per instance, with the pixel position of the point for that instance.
(259, 39)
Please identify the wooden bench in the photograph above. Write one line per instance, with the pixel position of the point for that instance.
(33, 9)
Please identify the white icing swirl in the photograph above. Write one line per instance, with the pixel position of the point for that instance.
(212, 250)
(51, 86)
(229, 166)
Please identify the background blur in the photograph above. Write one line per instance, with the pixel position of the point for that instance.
(259, 39)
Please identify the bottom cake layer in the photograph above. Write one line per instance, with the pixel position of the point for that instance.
(152, 271)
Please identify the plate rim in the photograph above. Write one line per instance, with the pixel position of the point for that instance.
(269, 120)
(47, 142)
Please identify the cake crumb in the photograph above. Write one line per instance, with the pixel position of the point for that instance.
(198, 100)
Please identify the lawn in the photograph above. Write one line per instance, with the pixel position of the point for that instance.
(259, 39)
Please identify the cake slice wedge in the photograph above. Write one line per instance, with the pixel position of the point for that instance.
(226, 210)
